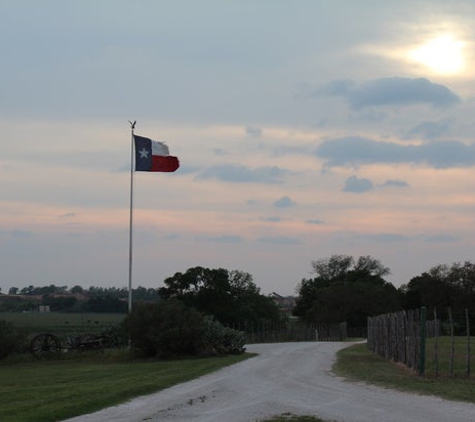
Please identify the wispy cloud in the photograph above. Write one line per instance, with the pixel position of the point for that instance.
(396, 91)
(442, 238)
(428, 130)
(241, 174)
(220, 152)
(280, 240)
(356, 185)
(253, 131)
(396, 237)
(395, 184)
(284, 202)
(271, 219)
(314, 221)
(382, 237)
(354, 151)
(17, 233)
(225, 238)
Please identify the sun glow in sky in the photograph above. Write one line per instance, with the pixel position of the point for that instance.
(337, 127)
(443, 54)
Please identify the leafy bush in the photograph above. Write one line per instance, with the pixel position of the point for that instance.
(114, 335)
(218, 339)
(10, 339)
(165, 328)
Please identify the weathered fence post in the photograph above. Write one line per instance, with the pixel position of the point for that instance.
(423, 333)
(467, 323)
(452, 344)
(436, 344)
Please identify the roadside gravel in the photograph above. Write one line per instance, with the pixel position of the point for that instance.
(285, 377)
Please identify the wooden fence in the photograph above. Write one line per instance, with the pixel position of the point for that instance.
(409, 338)
(285, 331)
(396, 336)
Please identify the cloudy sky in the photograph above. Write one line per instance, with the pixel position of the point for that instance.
(304, 129)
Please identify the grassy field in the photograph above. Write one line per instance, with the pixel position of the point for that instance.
(357, 363)
(61, 323)
(442, 348)
(46, 391)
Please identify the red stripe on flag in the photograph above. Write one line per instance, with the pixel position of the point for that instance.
(165, 164)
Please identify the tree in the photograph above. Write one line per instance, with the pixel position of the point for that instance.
(441, 287)
(13, 291)
(59, 303)
(77, 290)
(335, 267)
(341, 267)
(144, 294)
(27, 290)
(230, 296)
(346, 289)
(429, 289)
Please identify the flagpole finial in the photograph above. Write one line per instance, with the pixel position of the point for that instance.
(132, 124)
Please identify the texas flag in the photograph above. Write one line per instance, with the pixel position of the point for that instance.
(153, 156)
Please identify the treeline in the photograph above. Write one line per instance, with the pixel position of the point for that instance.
(230, 297)
(350, 290)
(343, 289)
(75, 299)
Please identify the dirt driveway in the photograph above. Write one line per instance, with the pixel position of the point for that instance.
(285, 377)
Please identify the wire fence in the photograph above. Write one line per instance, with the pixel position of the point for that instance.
(440, 346)
(269, 331)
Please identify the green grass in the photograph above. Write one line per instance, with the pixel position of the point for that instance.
(444, 346)
(358, 364)
(43, 391)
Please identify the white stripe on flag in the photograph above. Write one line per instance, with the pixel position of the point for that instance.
(159, 148)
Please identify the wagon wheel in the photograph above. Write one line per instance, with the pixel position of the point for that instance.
(45, 345)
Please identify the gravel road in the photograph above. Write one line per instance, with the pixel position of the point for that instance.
(285, 377)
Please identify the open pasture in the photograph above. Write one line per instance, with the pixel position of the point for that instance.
(450, 357)
(61, 323)
(358, 363)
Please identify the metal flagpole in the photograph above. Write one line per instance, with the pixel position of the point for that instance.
(132, 127)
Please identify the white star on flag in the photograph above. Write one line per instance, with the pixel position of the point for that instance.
(143, 153)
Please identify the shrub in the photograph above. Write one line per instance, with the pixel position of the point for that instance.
(218, 339)
(10, 339)
(165, 328)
